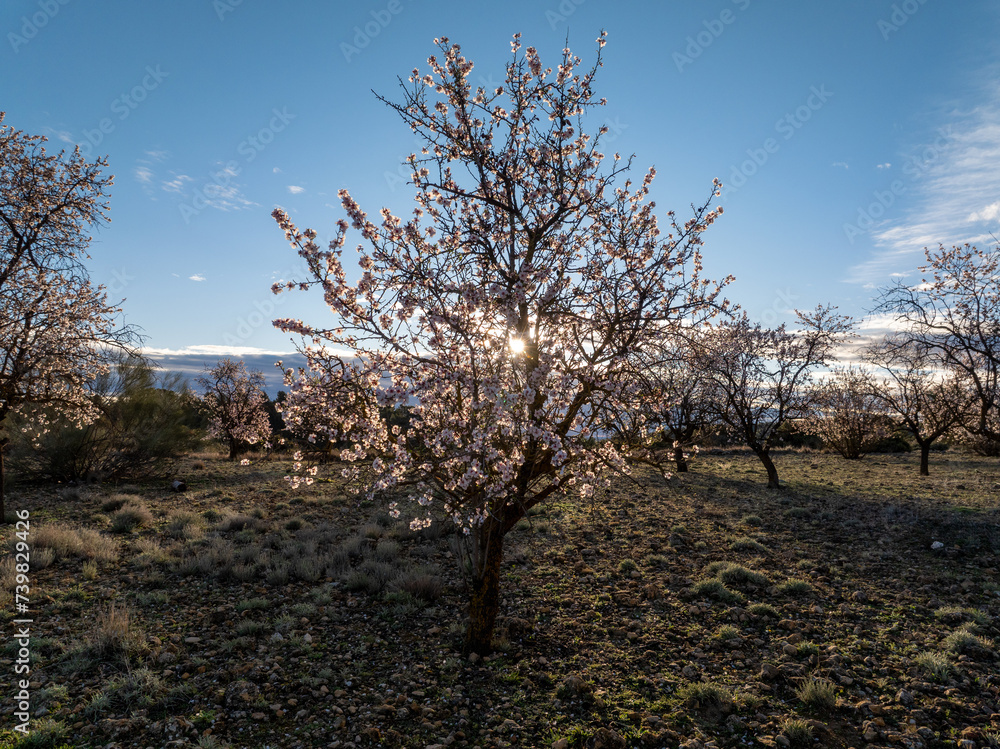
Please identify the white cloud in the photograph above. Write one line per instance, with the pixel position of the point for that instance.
(276, 170)
(177, 183)
(197, 277)
(886, 165)
(157, 155)
(295, 189)
(143, 174)
(954, 170)
(989, 213)
(210, 349)
(840, 164)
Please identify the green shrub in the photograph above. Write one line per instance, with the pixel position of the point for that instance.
(148, 421)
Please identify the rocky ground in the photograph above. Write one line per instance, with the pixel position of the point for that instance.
(857, 607)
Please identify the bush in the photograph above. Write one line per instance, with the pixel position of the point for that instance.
(130, 517)
(146, 424)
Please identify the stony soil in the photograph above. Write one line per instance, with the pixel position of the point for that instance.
(243, 614)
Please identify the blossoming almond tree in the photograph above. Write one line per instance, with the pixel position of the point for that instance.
(504, 311)
(760, 376)
(847, 413)
(236, 404)
(926, 403)
(53, 321)
(954, 315)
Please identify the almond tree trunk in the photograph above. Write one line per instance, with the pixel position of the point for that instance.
(772, 472)
(925, 455)
(485, 602)
(3, 509)
(679, 458)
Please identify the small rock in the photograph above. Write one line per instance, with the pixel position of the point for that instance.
(605, 738)
(782, 740)
(860, 596)
(307, 638)
(690, 672)
(937, 546)
(473, 657)
(904, 697)
(510, 726)
(276, 637)
(560, 744)
(769, 672)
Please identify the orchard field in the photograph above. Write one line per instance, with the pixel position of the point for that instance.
(699, 611)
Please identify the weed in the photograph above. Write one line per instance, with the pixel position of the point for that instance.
(701, 693)
(763, 610)
(717, 590)
(935, 665)
(957, 615)
(42, 558)
(747, 544)
(627, 566)
(727, 632)
(796, 587)
(734, 574)
(90, 570)
(818, 694)
(420, 585)
(185, 524)
(753, 520)
(252, 604)
(963, 640)
(798, 732)
(130, 517)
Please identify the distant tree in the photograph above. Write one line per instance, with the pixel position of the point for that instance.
(760, 376)
(847, 413)
(235, 401)
(926, 400)
(954, 316)
(53, 321)
(677, 403)
(504, 312)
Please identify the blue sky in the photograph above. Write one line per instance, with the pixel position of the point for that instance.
(848, 135)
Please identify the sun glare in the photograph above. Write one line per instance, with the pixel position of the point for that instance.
(516, 346)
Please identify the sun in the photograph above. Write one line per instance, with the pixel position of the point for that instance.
(516, 346)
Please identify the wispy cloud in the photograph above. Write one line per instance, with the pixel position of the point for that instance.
(144, 174)
(295, 189)
(955, 173)
(176, 184)
(886, 165)
(842, 164)
(197, 277)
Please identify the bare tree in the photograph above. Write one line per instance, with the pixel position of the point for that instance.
(954, 315)
(926, 400)
(236, 404)
(53, 321)
(760, 376)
